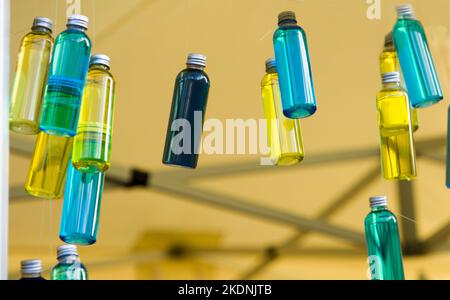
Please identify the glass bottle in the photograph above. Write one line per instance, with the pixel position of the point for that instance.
(294, 68)
(398, 156)
(284, 135)
(389, 63)
(92, 144)
(67, 76)
(69, 266)
(185, 126)
(81, 207)
(31, 270)
(416, 61)
(48, 167)
(30, 77)
(383, 242)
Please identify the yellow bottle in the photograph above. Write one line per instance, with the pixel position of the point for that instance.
(398, 156)
(284, 135)
(30, 78)
(389, 63)
(48, 167)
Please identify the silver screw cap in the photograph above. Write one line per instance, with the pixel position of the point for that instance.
(377, 201)
(78, 20)
(31, 266)
(43, 22)
(196, 59)
(67, 250)
(100, 59)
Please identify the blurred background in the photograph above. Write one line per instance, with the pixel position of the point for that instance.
(231, 218)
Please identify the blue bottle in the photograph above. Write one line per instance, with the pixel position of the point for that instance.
(81, 207)
(415, 58)
(383, 242)
(294, 68)
(67, 76)
(185, 126)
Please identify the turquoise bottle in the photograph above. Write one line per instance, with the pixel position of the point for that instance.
(67, 76)
(383, 242)
(81, 207)
(294, 68)
(417, 64)
(69, 266)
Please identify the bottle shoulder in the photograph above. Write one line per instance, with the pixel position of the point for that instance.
(193, 74)
(382, 216)
(392, 92)
(288, 30)
(34, 36)
(74, 35)
(403, 25)
(269, 79)
(100, 74)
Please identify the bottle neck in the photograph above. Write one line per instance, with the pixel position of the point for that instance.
(391, 84)
(378, 208)
(40, 29)
(32, 275)
(271, 70)
(69, 259)
(99, 67)
(75, 27)
(196, 67)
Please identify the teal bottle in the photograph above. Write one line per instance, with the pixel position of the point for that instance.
(294, 68)
(81, 207)
(415, 58)
(67, 76)
(383, 242)
(69, 266)
(31, 270)
(448, 149)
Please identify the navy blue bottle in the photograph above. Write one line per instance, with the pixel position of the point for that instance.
(185, 126)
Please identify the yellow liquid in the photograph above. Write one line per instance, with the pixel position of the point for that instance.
(29, 82)
(92, 144)
(284, 135)
(398, 156)
(389, 63)
(48, 168)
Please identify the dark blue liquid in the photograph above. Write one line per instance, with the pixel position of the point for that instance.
(190, 97)
(81, 207)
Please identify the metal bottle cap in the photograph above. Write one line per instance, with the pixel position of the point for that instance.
(377, 201)
(287, 17)
(78, 20)
(196, 59)
(405, 11)
(43, 22)
(100, 59)
(390, 77)
(271, 64)
(66, 250)
(31, 266)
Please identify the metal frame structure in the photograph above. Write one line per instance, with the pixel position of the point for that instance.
(178, 182)
(4, 134)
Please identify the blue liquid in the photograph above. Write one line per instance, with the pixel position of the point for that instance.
(383, 245)
(65, 84)
(448, 150)
(190, 95)
(294, 72)
(417, 64)
(81, 207)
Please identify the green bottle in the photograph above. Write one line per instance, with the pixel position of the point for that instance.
(69, 266)
(383, 242)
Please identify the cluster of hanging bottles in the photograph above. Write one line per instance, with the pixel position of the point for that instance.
(65, 96)
(69, 103)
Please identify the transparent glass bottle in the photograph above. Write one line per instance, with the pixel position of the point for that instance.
(67, 76)
(294, 68)
(31, 270)
(92, 144)
(389, 63)
(29, 80)
(415, 58)
(190, 96)
(398, 156)
(383, 242)
(284, 135)
(81, 207)
(69, 266)
(48, 167)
